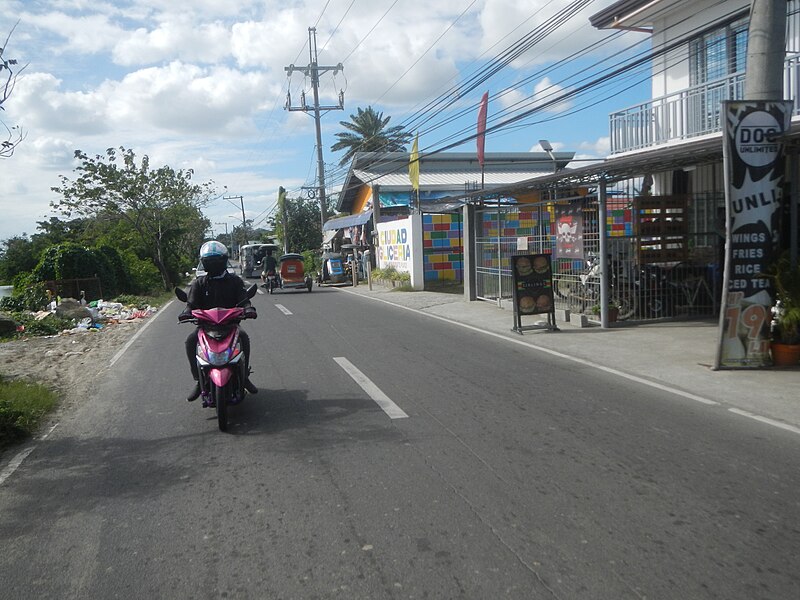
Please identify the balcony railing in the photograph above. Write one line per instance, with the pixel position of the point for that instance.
(689, 113)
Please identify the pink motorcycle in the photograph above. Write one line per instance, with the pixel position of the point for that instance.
(220, 360)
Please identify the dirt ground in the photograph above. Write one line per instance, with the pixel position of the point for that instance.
(68, 363)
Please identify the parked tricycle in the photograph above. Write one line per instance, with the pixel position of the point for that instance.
(332, 269)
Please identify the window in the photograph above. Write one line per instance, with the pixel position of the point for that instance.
(718, 53)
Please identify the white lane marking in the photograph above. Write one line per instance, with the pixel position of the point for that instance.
(17, 460)
(381, 399)
(575, 359)
(283, 309)
(260, 291)
(766, 420)
(14, 464)
(44, 437)
(589, 363)
(136, 335)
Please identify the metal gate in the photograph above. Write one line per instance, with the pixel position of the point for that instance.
(497, 234)
(664, 263)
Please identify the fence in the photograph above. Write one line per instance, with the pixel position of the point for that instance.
(72, 288)
(663, 256)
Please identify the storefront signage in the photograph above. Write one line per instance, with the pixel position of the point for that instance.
(395, 248)
(754, 172)
(533, 287)
(569, 231)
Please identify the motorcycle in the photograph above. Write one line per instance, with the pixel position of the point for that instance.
(583, 292)
(272, 281)
(220, 360)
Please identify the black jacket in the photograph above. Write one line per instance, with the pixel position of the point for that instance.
(227, 291)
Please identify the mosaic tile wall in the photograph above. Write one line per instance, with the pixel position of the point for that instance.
(442, 239)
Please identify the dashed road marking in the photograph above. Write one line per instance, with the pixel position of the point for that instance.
(374, 392)
(283, 309)
(594, 365)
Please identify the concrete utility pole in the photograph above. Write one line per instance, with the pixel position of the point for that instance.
(312, 71)
(766, 53)
(766, 50)
(244, 219)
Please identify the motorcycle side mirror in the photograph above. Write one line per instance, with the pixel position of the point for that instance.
(251, 291)
(181, 294)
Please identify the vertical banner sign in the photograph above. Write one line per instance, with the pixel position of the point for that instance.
(754, 172)
(569, 231)
(533, 287)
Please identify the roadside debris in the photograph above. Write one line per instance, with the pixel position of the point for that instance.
(89, 317)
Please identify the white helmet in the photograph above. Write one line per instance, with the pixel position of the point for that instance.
(214, 256)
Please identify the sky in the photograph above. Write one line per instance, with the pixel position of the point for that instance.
(202, 85)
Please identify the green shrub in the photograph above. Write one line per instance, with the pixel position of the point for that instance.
(144, 275)
(50, 325)
(28, 294)
(22, 407)
(312, 262)
(73, 261)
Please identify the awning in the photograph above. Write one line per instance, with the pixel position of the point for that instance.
(327, 236)
(348, 221)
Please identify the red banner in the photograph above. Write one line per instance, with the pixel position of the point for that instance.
(482, 126)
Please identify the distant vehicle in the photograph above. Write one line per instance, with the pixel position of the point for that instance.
(251, 255)
(201, 270)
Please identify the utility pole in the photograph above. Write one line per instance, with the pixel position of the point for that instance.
(226, 233)
(244, 219)
(284, 219)
(766, 50)
(312, 71)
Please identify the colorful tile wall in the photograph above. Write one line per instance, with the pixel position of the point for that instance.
(442, 239)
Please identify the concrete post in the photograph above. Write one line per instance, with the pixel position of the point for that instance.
(604, 274)
(469, 265)
(766, 50)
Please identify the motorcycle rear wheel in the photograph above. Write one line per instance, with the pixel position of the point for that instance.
(221, 397)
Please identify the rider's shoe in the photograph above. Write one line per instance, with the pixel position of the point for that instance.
(195, 393)
(248, 385)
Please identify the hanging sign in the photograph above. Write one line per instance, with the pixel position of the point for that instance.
(569, 231)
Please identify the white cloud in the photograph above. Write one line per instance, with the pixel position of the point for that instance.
(201, 83)
(179, 39)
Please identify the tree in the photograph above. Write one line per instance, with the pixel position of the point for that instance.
(368, 132)
(9, 72)
(303, 230)
(162, 207)
(17, 255)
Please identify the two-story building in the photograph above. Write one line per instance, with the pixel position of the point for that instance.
(656, 208)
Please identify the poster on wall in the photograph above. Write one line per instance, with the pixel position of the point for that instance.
(754, 173)
(569, 231)
(533, 289)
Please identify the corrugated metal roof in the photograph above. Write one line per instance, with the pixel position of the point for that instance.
(449, 179)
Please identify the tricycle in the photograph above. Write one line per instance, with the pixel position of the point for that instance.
(291, 274)
(332, 269)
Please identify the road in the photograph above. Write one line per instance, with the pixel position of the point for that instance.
(514, 475)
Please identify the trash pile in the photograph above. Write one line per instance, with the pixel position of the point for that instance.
(93, 315)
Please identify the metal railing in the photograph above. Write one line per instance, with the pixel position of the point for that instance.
(688, 113)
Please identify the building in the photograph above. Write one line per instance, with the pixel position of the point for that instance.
(378, 190)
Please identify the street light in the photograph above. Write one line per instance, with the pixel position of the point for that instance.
(548, 147)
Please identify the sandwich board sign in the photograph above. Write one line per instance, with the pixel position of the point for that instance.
(533, 290)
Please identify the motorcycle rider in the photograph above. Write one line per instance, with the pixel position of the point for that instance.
(270, 265)
(216, 289)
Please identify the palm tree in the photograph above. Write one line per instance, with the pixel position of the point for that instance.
(368, 133)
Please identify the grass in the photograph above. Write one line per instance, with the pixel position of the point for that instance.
(22, 408)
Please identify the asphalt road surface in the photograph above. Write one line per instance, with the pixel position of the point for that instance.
(389, 455)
